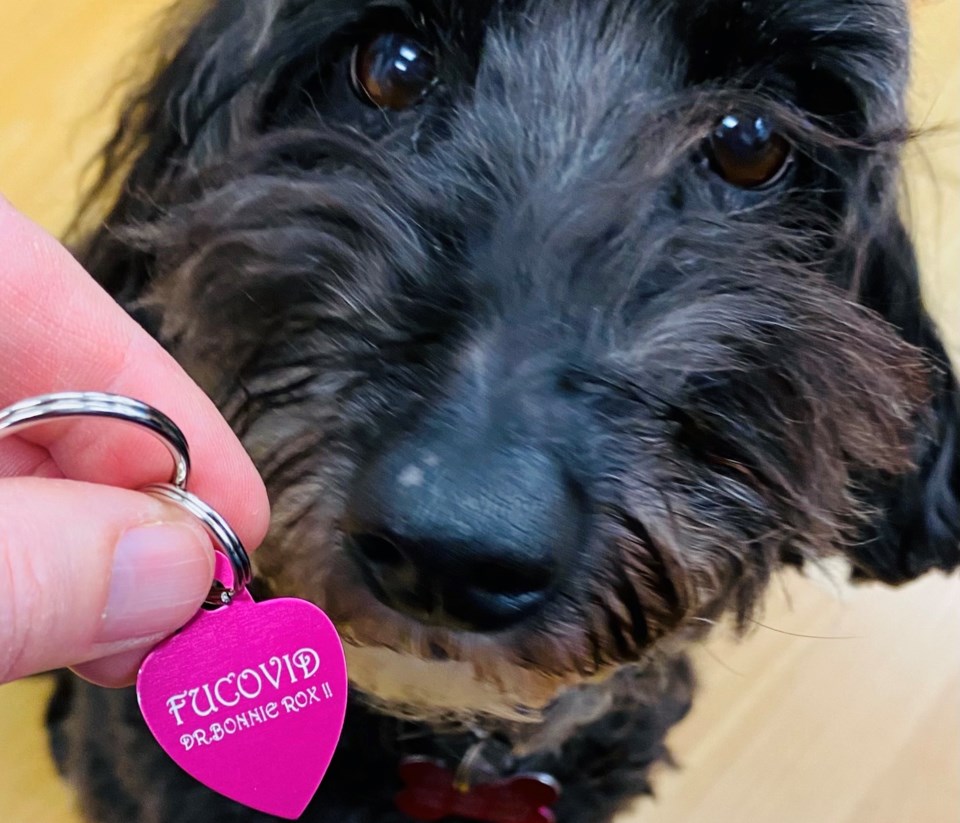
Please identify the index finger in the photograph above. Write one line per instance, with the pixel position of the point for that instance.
(62, 332)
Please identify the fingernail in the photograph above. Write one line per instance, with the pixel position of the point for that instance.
(161, 575)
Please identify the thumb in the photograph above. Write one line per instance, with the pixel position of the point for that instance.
(89, 571)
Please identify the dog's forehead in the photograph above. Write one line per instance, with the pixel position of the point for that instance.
(868, 38)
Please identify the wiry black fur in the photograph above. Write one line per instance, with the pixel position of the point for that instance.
(734, 379)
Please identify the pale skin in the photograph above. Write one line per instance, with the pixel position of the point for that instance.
(93, 573)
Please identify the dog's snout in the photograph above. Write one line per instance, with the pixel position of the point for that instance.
(469, 535)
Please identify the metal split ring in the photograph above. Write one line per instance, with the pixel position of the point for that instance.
(39, 410)
(221, 532)
(50, 407)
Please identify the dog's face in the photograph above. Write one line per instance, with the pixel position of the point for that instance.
(554, 326)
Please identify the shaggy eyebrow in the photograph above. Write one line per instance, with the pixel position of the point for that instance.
(758, 35)
(822, 55)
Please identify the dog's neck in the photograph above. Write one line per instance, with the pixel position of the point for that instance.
(473, 756)
(478, 752)
(484, 748)
(494, 761)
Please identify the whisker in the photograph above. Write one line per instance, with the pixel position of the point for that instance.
(806, 636)
(711, 653)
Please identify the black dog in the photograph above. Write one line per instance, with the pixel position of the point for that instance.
(555, 327)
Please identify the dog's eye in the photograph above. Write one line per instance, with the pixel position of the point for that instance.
(746, 151)
(392, 71)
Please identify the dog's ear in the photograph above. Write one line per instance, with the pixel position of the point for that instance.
(217, 68)
(917, 524)
(177, 116)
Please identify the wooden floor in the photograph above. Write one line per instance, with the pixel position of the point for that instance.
(843, 707)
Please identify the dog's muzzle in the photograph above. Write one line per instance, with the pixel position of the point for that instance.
(462, 529)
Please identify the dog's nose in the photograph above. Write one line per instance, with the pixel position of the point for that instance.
(467, 535)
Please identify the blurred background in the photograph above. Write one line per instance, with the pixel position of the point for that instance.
(842, 706)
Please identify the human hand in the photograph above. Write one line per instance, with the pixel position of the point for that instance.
(93, 574)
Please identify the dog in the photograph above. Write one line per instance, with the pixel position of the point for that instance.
(556, 328)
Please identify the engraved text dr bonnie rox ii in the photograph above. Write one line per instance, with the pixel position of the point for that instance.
(249, 697)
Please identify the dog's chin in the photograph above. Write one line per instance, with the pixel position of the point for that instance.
(440, 676)
(448, 692)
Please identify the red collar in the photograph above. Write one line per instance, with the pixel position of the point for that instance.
(432, 793)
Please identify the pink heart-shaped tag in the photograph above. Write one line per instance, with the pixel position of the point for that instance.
(250, 700)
